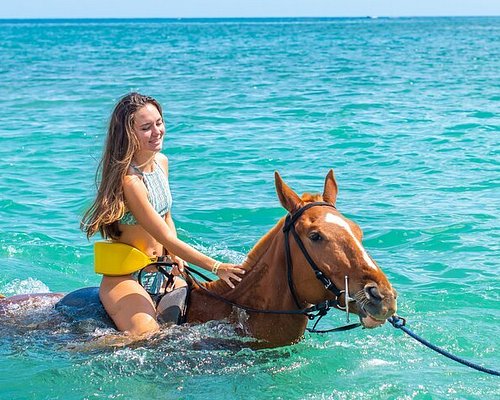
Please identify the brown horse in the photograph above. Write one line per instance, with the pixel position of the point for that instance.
(333, 245)
(300, 263)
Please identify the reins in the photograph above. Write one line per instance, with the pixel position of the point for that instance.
(161, 264)
(317, 310)
(320, 307)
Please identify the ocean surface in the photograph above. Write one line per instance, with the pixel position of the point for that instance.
(406, 112)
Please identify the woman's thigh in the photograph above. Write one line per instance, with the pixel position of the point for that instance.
(128, 304)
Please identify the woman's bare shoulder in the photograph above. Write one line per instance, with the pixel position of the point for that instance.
(132, 181)
(162, 159)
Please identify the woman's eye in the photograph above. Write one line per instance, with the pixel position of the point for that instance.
(315, 236)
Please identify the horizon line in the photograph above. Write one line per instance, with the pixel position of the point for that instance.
(241, 18)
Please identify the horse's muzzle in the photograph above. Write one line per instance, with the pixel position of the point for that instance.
(379, 305)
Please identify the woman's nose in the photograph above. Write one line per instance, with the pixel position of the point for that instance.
(157, 130)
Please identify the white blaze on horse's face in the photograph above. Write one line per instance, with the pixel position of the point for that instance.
(335, 219)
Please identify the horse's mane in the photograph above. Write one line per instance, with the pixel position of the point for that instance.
(311, 197)
(262, 245)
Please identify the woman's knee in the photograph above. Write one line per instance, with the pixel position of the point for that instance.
(140, 324)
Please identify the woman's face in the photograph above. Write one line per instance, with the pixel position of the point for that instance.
(149, 128)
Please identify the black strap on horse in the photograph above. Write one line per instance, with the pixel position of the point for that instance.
(161, 264)
(320, 307)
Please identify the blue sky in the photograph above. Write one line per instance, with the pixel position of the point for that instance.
(243, 8)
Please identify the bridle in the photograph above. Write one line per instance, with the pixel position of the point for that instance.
(288, 227)
(317, 310)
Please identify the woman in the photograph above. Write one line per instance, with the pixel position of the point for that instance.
(133, 207)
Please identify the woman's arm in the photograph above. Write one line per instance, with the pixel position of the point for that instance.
(170, 222)
(137, 202)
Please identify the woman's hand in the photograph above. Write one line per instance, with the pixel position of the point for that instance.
(179, 268)
(228, 272)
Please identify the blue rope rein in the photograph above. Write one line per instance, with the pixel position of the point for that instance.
(399, 323)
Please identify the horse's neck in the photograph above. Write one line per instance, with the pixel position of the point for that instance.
(264, 285)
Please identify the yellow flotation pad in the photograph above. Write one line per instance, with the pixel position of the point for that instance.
(117, 259)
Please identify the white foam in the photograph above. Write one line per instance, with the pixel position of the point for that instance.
(376, 362)
(25, 286)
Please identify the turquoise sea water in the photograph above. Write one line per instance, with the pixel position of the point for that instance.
(406, 111)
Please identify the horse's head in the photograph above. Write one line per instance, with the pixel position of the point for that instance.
(334, 244)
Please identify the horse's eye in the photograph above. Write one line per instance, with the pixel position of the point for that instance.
(315, 236)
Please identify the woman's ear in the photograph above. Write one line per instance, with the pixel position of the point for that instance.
(288, 198)
(331, 189)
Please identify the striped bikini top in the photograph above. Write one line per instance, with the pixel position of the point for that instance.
(159, 195)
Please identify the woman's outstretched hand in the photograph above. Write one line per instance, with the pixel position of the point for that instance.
(229, 273)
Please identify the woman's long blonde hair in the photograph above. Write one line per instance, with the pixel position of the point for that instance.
(121, 144)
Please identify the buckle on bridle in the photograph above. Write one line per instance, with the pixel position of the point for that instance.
(323, 307)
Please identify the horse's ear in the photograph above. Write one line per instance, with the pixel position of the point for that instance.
(288, 198)
(331, 188)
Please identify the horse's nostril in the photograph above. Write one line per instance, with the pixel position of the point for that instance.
(373, 293)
